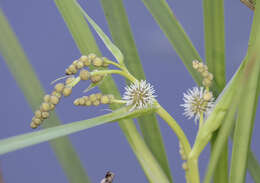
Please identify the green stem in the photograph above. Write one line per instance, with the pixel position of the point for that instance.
(124, 73)
(193, 170)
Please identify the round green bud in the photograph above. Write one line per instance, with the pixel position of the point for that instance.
(210, 76)
(68, 72)
(76, 102)
(185, 166)
(54, 100)
(105, 99)
(92, 56)
(38, 114)
(80, 65)
(96, 102)
(85, 60)
(45, 107)
(67, 91)
(206, 82)
(84, 74)
(205, 73)
(52, 106)
(195, 64)
(96, 78)
(81, 101)
(37, 121)
(59, 87)
(92, 97)
(98, 62)
(33, 125)
(69, 80)
(75, 63)
(72, 69)
(45, 115)
(98, 95)
(46, 98)
(88, 103)
(207, 96)
(55, 93)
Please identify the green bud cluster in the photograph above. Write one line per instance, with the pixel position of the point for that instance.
(94, 99)
(183, 157)
(203, 70)
(86, 61)
(49, 104)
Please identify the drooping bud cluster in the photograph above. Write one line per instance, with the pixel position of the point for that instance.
(49, 103)
(203, 70)
(183, 157)
(86, 61)
(94, 99)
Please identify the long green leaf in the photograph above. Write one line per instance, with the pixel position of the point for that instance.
(30, 85)
(214, 34)
(86, 44)
(121, 33)
(33, 138)
(253, 167)
(247, 106)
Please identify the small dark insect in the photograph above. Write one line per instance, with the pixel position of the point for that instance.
(108, 177)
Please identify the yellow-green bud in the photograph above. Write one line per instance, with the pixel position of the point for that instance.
(69, 80)
(92, 97)
(207, 96)
(73, 69)
(55, 93)
(67, 91)
(84, 74)
(46, 98)
(37, 121)
(85, 60)
(210, 76)
(88, 103)
(45, 115)
(205, 73)
(68, 72)
(59, 87)
(81, 101)
(76, 102)
(38, 114)
(52, 106)
(195, 64)
(80, 65)
(54, 100)
(96, 78)
(97, 62)
(96, 102)
(92, 56)
(206, 82)
(105, 99)
(33, 125)
(45, 107)
(98, 95)
(185, 166)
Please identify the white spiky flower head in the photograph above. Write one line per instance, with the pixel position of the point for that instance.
(197, 101)
(139, 94)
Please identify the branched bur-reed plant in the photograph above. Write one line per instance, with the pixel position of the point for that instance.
(217, 108)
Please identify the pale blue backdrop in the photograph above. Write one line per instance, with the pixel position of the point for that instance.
(50, 49)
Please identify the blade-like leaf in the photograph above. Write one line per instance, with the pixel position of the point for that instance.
(253, 166)
(86, 44)
(121, 33)
(30, 85)
(28, 139)
(214, 33)
(247, 106)
(112, 48)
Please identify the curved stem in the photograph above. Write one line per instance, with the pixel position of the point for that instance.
(126, 74)
(193, 172)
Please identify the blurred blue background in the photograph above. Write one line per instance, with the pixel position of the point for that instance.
(50, 49)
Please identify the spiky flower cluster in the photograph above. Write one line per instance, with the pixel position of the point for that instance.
(49, 104)
(94, 99)
(139, 94)
(203, 70)
(197, 102)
